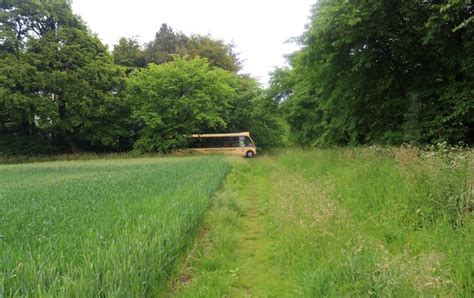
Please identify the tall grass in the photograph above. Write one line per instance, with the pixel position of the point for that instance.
(376, 221)
(100, 228)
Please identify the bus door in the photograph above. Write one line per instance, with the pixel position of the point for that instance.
(242, 144)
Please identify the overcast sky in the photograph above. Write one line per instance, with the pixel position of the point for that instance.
(258, 28)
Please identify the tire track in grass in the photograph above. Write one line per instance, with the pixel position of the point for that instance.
(259, 274)
(235, 255)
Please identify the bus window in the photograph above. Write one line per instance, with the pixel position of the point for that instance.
(195, 143)
(235, 142)
(231, 142)
(248, 142)
(201, 143)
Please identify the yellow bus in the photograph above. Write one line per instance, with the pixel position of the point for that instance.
(230, 143)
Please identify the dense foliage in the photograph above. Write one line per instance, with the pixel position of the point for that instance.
(175, 99)
(167, 43)
(62, 91)
(58, 83)
(382, 72)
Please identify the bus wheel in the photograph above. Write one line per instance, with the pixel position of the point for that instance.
(249, 154)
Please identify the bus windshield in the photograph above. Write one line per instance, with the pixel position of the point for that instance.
(246, 142)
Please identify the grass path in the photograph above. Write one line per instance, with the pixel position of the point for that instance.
(259, 276)
(235, 255)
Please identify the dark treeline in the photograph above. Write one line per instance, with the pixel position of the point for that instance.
(382, 71)
(62, 91)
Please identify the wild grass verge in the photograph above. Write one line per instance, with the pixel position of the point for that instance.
(374, 221)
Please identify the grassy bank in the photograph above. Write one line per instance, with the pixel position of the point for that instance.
(339, 222)
(105, 227)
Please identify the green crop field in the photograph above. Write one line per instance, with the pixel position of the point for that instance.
(307, 223)
(107, 228)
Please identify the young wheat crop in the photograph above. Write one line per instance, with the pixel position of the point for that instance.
(88, 228)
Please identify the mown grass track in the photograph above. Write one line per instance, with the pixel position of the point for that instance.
(107, 228)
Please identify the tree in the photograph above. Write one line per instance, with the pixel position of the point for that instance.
(269, 129)
(255, 110)
(58, 83)
(281, 84)
(21, 21)
(175, 99)
(166, 44)
(217, 52)
(18, 100)
(128, 53)
(60, 90)
(384, 72)
(83, 90)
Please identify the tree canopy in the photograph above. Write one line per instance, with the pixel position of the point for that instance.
(382, 72)
(176, 99)
(58, 82)
(128, 53)
(168, 43)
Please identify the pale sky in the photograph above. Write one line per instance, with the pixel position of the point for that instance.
(258, 28)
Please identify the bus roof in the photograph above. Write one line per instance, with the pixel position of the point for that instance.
(217, 135)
